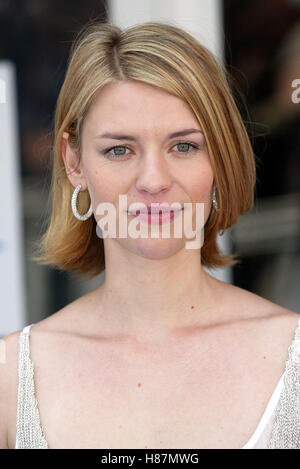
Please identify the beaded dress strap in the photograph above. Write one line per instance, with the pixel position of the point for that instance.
(286, 428)
(30, 434)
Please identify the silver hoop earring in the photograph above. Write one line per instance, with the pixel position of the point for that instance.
(86, 215)
(214, 198)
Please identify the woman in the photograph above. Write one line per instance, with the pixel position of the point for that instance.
(162, 354)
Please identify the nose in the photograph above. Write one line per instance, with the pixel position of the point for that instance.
(153, 174)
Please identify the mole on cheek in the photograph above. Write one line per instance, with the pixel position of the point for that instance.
(192, 307)
(139, 385)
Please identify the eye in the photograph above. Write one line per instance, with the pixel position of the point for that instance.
(118, 151)
(107, 153)
(185, 146)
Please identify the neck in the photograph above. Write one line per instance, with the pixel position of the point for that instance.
(150, 300)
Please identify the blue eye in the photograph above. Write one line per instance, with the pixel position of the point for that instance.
(188, 144)
(117, 155)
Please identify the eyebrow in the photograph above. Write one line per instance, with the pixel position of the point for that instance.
(180, 133)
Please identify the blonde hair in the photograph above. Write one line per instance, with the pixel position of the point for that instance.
(170, 58)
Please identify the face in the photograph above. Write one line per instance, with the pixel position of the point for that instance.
(141, 160)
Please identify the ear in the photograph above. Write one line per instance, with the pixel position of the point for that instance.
(72, 163)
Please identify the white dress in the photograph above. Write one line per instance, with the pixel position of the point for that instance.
(279, 426)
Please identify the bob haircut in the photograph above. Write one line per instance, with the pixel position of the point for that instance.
(165, 56)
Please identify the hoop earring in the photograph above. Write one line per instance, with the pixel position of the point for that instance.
(86, 215)
(214, 198)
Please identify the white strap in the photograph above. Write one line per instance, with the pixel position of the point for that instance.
(30, 434)
(286, 428)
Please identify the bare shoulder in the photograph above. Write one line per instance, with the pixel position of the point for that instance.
(45, 335)
(69, 320)
(270, 322)
(243, 302)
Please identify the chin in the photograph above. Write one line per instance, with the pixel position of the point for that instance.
(155, 248)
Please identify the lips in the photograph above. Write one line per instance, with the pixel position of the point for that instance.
(149, 212)
(153, 210)
(157, 218)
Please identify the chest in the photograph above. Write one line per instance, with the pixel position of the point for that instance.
(118, 400)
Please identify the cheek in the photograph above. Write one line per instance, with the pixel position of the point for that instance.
(103, 186)
(200, 185)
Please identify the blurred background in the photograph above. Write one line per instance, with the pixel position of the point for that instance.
(259, 42)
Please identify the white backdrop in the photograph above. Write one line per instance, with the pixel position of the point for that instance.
(202, 19)
(12, 291)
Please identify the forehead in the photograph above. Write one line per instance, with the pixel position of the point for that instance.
(138, 105)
